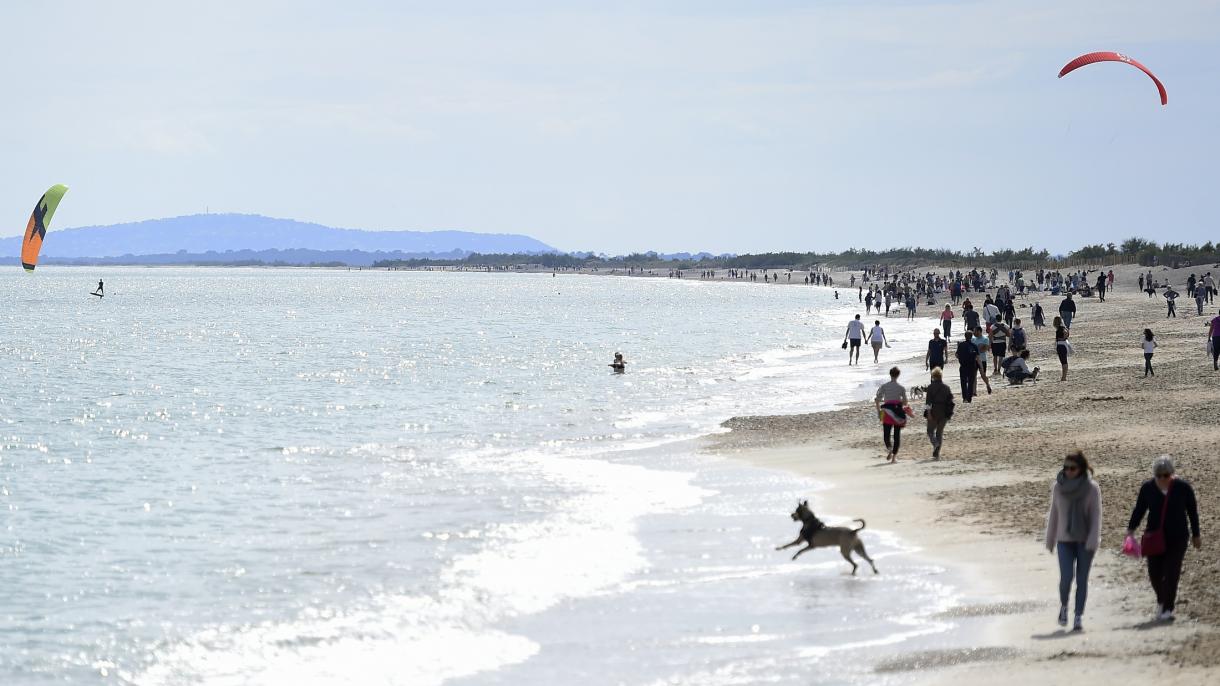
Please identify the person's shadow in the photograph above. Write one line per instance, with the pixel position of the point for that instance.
(1150, 624)
(1054, 635)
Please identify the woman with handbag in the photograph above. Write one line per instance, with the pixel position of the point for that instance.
(1073, 530)
(1170, 504)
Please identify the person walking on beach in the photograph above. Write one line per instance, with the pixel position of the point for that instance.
(1170, 296)
(1170, 505)
(937, 347)
(990, 310)
(1101, 287)
(1149, 346)
(1214, 333)
(1018, 336)
(891, 400)
(999, 344)
(1062, 347)
(1200, 298)
(855, 333)
(946, 321)
(940, 409)
(1073, 530)
(982, 346)
(969, 315)
(967, 365)
(877, 338)
(1067, 310)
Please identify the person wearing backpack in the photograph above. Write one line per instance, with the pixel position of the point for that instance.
(967, 365)
(999, 343)
(1018, 336)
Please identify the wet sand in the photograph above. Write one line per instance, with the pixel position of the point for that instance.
(983, 505)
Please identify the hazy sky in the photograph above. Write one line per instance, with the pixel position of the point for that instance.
(620, 126)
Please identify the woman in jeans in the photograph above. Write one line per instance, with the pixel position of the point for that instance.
(1176, 498)
(1073, 530)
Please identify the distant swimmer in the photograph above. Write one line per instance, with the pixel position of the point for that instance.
(101, 290)
(618, 365)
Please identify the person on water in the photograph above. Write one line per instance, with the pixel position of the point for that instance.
(618, 365)
(100, 290)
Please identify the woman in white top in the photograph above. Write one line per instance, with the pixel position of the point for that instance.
(1073, 530)
(877, 338)
(1149, 348)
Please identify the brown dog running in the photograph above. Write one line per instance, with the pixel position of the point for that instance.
(817, 535)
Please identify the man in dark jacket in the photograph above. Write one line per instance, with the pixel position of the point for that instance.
(967, 365)
(1067, 310)
(1101, 287)
(940, 409)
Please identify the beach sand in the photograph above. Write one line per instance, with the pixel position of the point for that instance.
(982, 507)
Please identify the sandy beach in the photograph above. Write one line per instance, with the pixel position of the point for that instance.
(982, 507)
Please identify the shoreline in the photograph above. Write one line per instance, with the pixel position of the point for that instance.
(1008, 582)
(982, 507)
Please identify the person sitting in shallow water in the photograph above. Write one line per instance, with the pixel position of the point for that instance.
(618, 365)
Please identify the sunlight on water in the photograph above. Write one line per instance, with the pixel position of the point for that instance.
(239, 476)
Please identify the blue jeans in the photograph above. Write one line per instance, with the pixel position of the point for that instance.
(1074, 555)
(1067, 318)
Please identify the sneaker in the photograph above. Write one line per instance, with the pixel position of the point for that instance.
(1063, 615)
(1077, 624)
(1165, 616)
(1160, 610)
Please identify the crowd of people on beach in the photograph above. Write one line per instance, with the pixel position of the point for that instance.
(994, 338)
(997, 336)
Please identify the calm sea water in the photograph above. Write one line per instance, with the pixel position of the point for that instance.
(248, 476)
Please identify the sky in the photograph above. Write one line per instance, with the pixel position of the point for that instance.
(624, 126)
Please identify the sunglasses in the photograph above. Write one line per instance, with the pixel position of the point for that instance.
(1164, 476)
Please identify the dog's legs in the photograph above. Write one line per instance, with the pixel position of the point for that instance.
(859, 548)
(846, 552)
(802, 550)
(796, 542)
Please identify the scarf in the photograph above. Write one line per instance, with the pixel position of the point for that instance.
(1075, 491)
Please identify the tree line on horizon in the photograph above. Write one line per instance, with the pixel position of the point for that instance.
(1131, 251)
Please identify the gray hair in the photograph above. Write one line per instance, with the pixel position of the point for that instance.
(1162, 465)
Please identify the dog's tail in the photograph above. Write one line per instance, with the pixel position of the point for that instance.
(862, 525)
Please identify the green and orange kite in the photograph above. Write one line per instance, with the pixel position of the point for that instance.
(40, 221)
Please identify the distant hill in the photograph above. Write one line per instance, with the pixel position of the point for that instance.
(203, 233)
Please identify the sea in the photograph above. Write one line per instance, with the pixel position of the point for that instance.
(309, 476)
